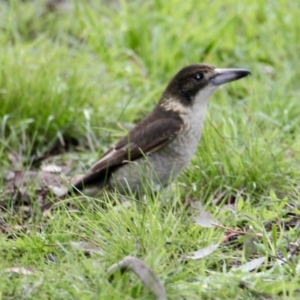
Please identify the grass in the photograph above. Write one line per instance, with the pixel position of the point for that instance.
(82, 72)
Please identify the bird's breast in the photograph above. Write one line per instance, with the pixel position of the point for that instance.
(175, 156)
(168, 162)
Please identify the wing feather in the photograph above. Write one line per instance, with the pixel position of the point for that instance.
(146, 137)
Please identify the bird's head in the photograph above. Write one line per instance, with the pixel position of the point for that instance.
(193, 85)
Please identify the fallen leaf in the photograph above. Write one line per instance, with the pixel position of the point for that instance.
(141, 270)
(203, 252)
(9, 175)
(251, 265)
(204, 219)
(58, 190)
(51, 169)
(15, 159)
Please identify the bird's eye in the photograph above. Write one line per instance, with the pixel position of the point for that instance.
(198, 76)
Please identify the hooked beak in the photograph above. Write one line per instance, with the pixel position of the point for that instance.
(227, 75)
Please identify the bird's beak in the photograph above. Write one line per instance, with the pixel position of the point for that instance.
(226, 75)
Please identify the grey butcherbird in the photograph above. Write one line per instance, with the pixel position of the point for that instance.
(160, 146)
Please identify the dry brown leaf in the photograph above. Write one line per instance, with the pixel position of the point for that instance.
(141, 270)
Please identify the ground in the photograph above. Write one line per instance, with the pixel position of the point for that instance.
(75, 77)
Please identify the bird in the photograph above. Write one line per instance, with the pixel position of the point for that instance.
(160, 146)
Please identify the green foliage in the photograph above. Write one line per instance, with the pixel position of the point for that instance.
(77, 72)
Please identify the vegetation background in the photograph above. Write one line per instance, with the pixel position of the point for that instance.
(79, 71)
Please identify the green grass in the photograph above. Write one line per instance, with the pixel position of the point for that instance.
(79, 73)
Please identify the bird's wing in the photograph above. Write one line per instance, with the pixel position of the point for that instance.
(143, 139)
